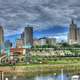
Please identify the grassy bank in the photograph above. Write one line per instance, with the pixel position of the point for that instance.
(37, 69)
(68, 64)
(41, 67)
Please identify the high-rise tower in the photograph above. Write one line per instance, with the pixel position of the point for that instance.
(78, 36)
(72, 37)
(28, 36)
(1, 36)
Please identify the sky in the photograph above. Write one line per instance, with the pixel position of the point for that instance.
(48, 17)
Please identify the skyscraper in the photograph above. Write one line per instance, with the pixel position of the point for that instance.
(28, 36)
(22, 35)
(1, 36)
(78, 36)
(72, 37)
(8, 44)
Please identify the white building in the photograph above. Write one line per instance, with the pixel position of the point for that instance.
(42, 41)
(19, 43)
(51, 41)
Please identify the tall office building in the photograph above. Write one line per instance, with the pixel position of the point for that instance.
(22, 35)
(78, 36)
(1, 36)
(72, 37)
(28, 36)
(7, 44)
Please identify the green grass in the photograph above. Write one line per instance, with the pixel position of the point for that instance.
(63, 60)
(48, 60)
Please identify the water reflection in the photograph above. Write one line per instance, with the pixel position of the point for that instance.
(59, 75)
(41, 77)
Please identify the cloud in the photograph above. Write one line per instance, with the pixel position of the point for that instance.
(41, 14)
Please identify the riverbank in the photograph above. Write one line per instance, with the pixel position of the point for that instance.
(40, 69)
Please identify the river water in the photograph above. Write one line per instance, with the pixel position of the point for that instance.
(54, 76)
(48, 77)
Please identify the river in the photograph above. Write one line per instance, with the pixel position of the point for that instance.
(49, 76)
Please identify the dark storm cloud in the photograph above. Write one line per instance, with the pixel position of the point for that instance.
(16, 14)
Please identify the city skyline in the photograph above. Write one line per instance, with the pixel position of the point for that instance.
(47, 17)
(38, 34)
(39, 39)
(58, 32)
(52, 32)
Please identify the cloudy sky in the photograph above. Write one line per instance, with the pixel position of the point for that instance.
(47, 17)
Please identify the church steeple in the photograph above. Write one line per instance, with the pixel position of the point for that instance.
(72, 22)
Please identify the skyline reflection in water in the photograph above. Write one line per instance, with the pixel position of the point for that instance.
(41, 77)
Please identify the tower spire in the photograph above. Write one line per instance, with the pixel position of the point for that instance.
(72, 21)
